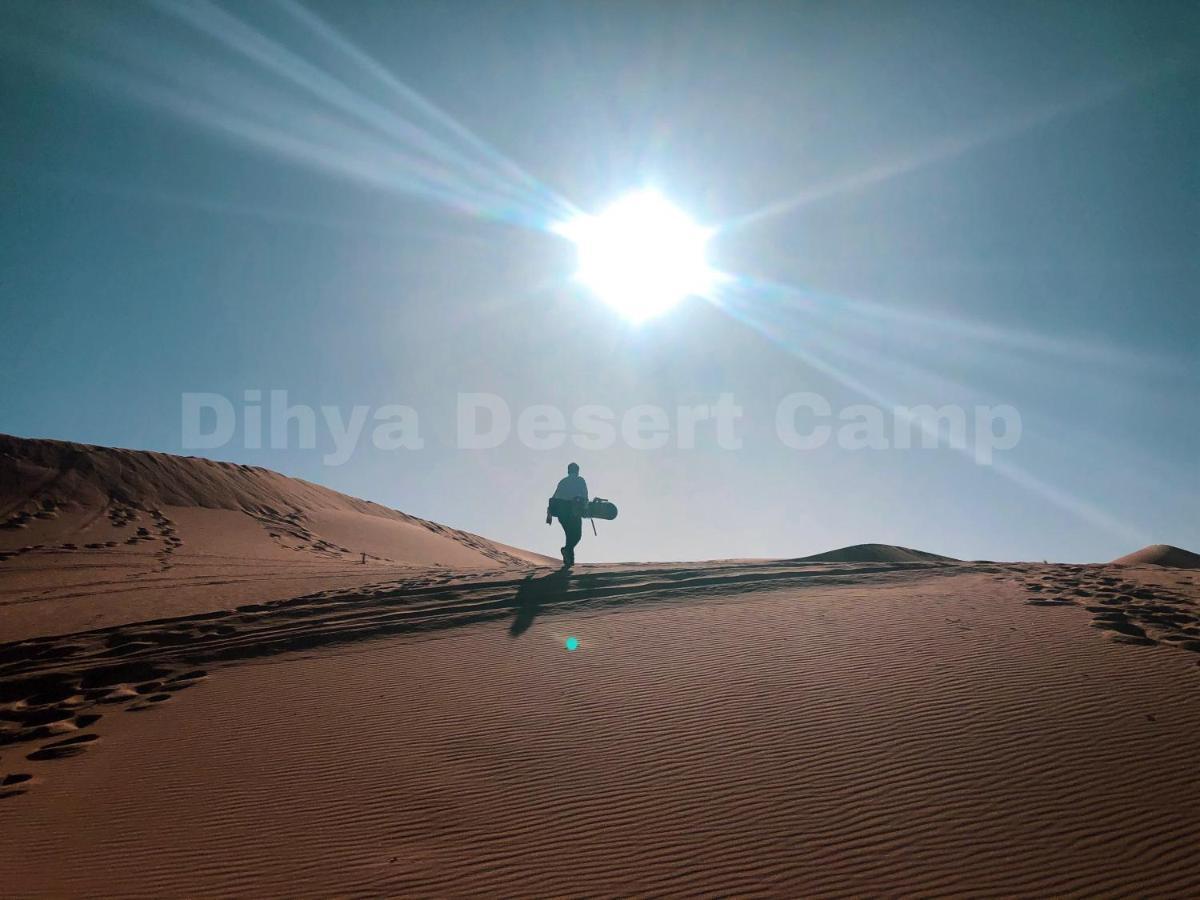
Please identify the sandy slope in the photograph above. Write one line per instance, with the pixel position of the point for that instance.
(1161, 555)
(93, 536)
(736, 728)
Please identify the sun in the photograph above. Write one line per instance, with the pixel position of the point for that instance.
(641, 255)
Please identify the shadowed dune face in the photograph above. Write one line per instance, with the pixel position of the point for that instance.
(737, 728)
(1161, 555)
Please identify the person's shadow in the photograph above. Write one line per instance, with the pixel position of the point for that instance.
(531, 595)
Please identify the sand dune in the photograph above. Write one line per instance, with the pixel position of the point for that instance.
(1161, 555)
(740, 728)
(876, 553)
(205, 692)
(91, 536)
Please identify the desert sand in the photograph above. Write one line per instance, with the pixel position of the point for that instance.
(96, 536)
(235, 705)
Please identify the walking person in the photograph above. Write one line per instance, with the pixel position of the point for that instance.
(568, 504)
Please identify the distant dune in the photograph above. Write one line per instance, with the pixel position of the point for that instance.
(876, 553)
(1161, 555)
(95, 536)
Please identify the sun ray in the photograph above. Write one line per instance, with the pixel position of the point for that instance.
(495, 173)
(562, 207)
(320, 121)
(737, 298)
(950, 147)
(902, 324)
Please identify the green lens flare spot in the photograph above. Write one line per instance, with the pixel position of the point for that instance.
(572, 643)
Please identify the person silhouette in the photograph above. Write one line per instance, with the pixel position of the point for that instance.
(567, 504)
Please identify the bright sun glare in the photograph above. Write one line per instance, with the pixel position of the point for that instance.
(641, 255)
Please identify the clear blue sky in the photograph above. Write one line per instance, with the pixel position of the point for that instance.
(960, 203)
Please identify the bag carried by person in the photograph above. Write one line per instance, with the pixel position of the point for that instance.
(599, 508)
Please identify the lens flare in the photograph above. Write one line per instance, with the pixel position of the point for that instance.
(642, 255)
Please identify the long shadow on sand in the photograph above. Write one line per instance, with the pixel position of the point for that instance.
(45, 676)
(531, 594)
(57, 682)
